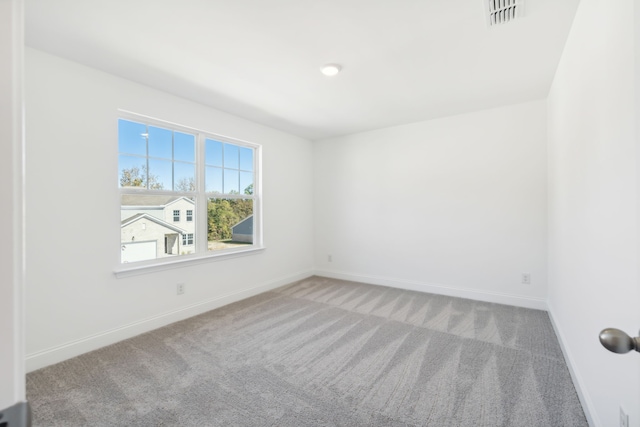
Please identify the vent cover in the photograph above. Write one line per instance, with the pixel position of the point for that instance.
(503, 11)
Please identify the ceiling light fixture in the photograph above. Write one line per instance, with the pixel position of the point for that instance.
(330, 70)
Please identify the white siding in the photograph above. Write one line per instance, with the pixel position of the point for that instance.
(145, 230)
(181, 205)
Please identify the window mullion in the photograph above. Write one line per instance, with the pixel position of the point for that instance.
(173, 160)
(201, 200)
(146, 173)
(153, 220)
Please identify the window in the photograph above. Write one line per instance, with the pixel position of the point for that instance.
(187, 239)
(165, 169)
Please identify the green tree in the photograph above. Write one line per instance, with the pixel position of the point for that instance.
(221, 217)
(222, 214)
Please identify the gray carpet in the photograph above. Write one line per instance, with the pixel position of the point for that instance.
(323, 352)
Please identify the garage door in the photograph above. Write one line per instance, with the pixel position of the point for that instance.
(138, 251)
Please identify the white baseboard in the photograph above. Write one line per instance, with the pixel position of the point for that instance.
(578, 382)
(75, 348)
(495, 297)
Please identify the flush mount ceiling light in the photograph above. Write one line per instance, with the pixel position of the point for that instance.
(330, 69)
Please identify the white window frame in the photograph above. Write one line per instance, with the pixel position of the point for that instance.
(201, 253)
(189, 215)
(176, 218)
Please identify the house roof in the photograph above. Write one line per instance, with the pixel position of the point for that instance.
(147, 201)
(138, 217)
(249, 218)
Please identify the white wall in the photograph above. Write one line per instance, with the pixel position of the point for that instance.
(593, 205)
(454, 205)
(75, 303)
(11, 144)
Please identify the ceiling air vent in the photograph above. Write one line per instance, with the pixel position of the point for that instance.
(503, 11)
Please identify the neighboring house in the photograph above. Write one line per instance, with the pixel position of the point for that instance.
(243, 231)
(156, 226)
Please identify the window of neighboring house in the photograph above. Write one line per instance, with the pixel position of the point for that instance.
(163, 169)
(187, 239)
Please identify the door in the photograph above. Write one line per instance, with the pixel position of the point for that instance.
(138, 251)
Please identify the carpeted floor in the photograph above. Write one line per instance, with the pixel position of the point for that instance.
(323, 352)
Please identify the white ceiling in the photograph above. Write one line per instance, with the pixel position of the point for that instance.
(403, 60)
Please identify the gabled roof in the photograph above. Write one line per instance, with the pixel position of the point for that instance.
(249, 218)
(144, 200)
(181, 198)
(140, 216)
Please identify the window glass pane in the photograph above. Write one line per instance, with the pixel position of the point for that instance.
(246, 182)
(246, 159)
(184, 147)
(156, 225)
(213, 153)
(231, 156)
(185, 176)
(213, 180)
(230, 223)
(160, 142)
(147, 229)
(160, 175)
(132, 137)
(231, 181)
(132, 171)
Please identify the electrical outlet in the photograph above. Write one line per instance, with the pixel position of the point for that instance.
(624, 418)
(329, 258)
(180, 289)
(526, 279)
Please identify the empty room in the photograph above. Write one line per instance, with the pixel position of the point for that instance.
(320, 213)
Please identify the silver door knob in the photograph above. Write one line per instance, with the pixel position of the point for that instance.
(617, 341)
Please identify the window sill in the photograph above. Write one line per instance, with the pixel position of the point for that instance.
(145, 267)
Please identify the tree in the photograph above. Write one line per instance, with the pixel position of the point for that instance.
(222, 214)
(139, 177)
(186, 184)
(131, 177)
(220, 217)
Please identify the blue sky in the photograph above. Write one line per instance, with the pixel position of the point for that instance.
(171, 157)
